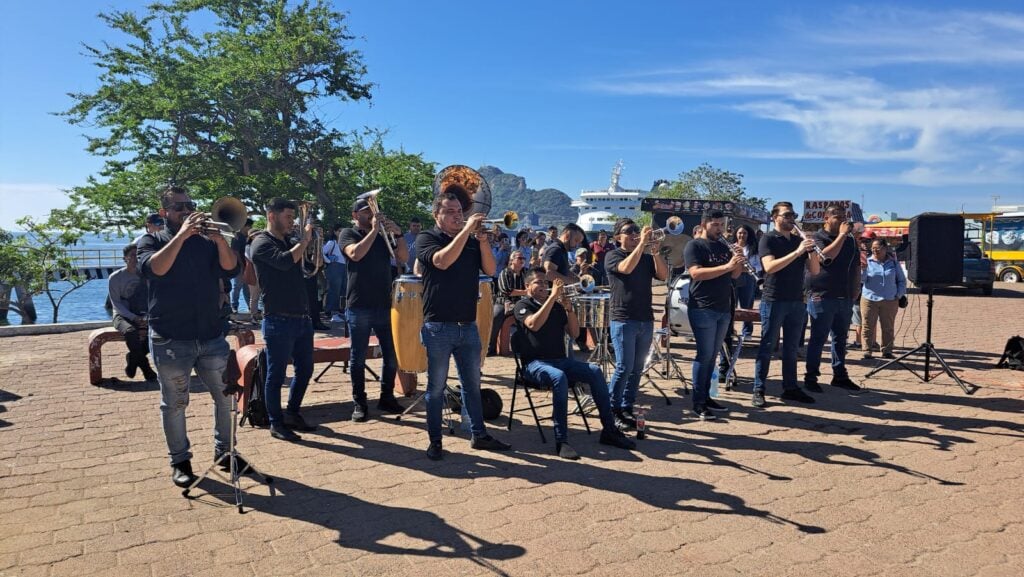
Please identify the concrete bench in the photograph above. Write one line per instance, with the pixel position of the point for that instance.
(100, 337)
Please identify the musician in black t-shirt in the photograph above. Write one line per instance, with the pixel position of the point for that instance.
(184, 267)
(452, 254)
(287, 326)
(368, 302)
(545, 317)
(631, 269)
(555, 258)
(830, 304)
(785, 256)
(712, 266)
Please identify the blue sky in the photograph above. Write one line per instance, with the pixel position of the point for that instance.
(910, 107)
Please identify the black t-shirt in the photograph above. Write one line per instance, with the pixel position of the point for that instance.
(788, 283)
(284, 289)
(631, 293)
(841, 278)
(184, 303)
(556, 252)
(716, 293)
(369, 279)
(549, 341)
(449, 295)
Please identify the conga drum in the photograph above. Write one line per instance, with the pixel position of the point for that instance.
(406, 322)
(484, 314)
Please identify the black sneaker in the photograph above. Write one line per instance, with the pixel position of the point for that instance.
(297, 423)
(713, 405)
(888, 356)
(565, 451)
(359, 413)
(147, 371)
(813, 386)
(434, 451)
(796, 395)
(130, 367)
(225, 465)
(389, 404)
(757, 399)
(489, 443)
(615, 438)
(279, 431)
(702, 413)
(182, 475)
(624, 421)
(845, 383)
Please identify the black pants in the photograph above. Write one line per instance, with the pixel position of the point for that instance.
(137, 340)
(496, 322)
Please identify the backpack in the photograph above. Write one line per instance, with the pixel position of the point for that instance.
(255, 406)
(1013, 354)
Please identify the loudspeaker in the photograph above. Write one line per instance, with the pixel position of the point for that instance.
(936, 249)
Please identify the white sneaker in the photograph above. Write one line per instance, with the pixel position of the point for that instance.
(337, 318)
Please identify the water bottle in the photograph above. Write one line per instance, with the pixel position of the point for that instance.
(713, 391)
(641, 425)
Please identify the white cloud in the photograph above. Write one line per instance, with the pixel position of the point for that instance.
(36, 199)
(844, 87)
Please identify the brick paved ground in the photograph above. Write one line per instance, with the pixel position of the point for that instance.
(906, 478)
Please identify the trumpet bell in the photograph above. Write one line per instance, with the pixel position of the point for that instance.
(468, 185)
(230, 211)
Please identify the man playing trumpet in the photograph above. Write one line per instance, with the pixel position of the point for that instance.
(184, 269)
(369, 302)
(545, 318)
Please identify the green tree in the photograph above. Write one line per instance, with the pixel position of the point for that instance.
(40, 260)
(707, 183)
(233, 109)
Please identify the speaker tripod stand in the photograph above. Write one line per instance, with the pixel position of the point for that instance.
(236, 464)
(929, 350)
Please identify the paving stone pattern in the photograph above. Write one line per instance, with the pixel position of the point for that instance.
(905, 478)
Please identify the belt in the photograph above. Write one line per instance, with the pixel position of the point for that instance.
(289, 315)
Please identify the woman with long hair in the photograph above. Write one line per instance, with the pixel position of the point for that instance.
(746, 285)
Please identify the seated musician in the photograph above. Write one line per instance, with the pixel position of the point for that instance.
(547, 316)
(128, 296)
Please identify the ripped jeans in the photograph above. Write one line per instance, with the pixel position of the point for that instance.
(174, 361)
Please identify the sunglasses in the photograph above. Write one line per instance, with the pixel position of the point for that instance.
(630, 230)
(181, 206)
(790, 214)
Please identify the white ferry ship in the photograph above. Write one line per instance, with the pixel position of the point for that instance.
(599, 209)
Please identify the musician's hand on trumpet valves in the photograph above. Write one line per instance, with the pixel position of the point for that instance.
(475, 223)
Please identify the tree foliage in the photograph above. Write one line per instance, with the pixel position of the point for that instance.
(41, 256)
(222, 96)
(708, 183)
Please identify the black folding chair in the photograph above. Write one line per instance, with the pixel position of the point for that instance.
(523, 382)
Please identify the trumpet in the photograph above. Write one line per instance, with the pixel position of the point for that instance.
(226, 217)
(382, 221)
(586, 285)
(657, 236)
(825, 261)
(510, 220)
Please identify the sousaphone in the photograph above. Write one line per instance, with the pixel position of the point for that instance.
(468, 185)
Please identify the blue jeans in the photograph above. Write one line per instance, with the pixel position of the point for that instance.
(174, 361)
(360, 322)
(239, 288)
(337, 281)
(558, 374)
(745, 297)
(442, 341)
(829, 317)
(632, 342)
(287, 338)
(709, 327)
(787, 317)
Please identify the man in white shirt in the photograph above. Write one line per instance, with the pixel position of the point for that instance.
(337, 276)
